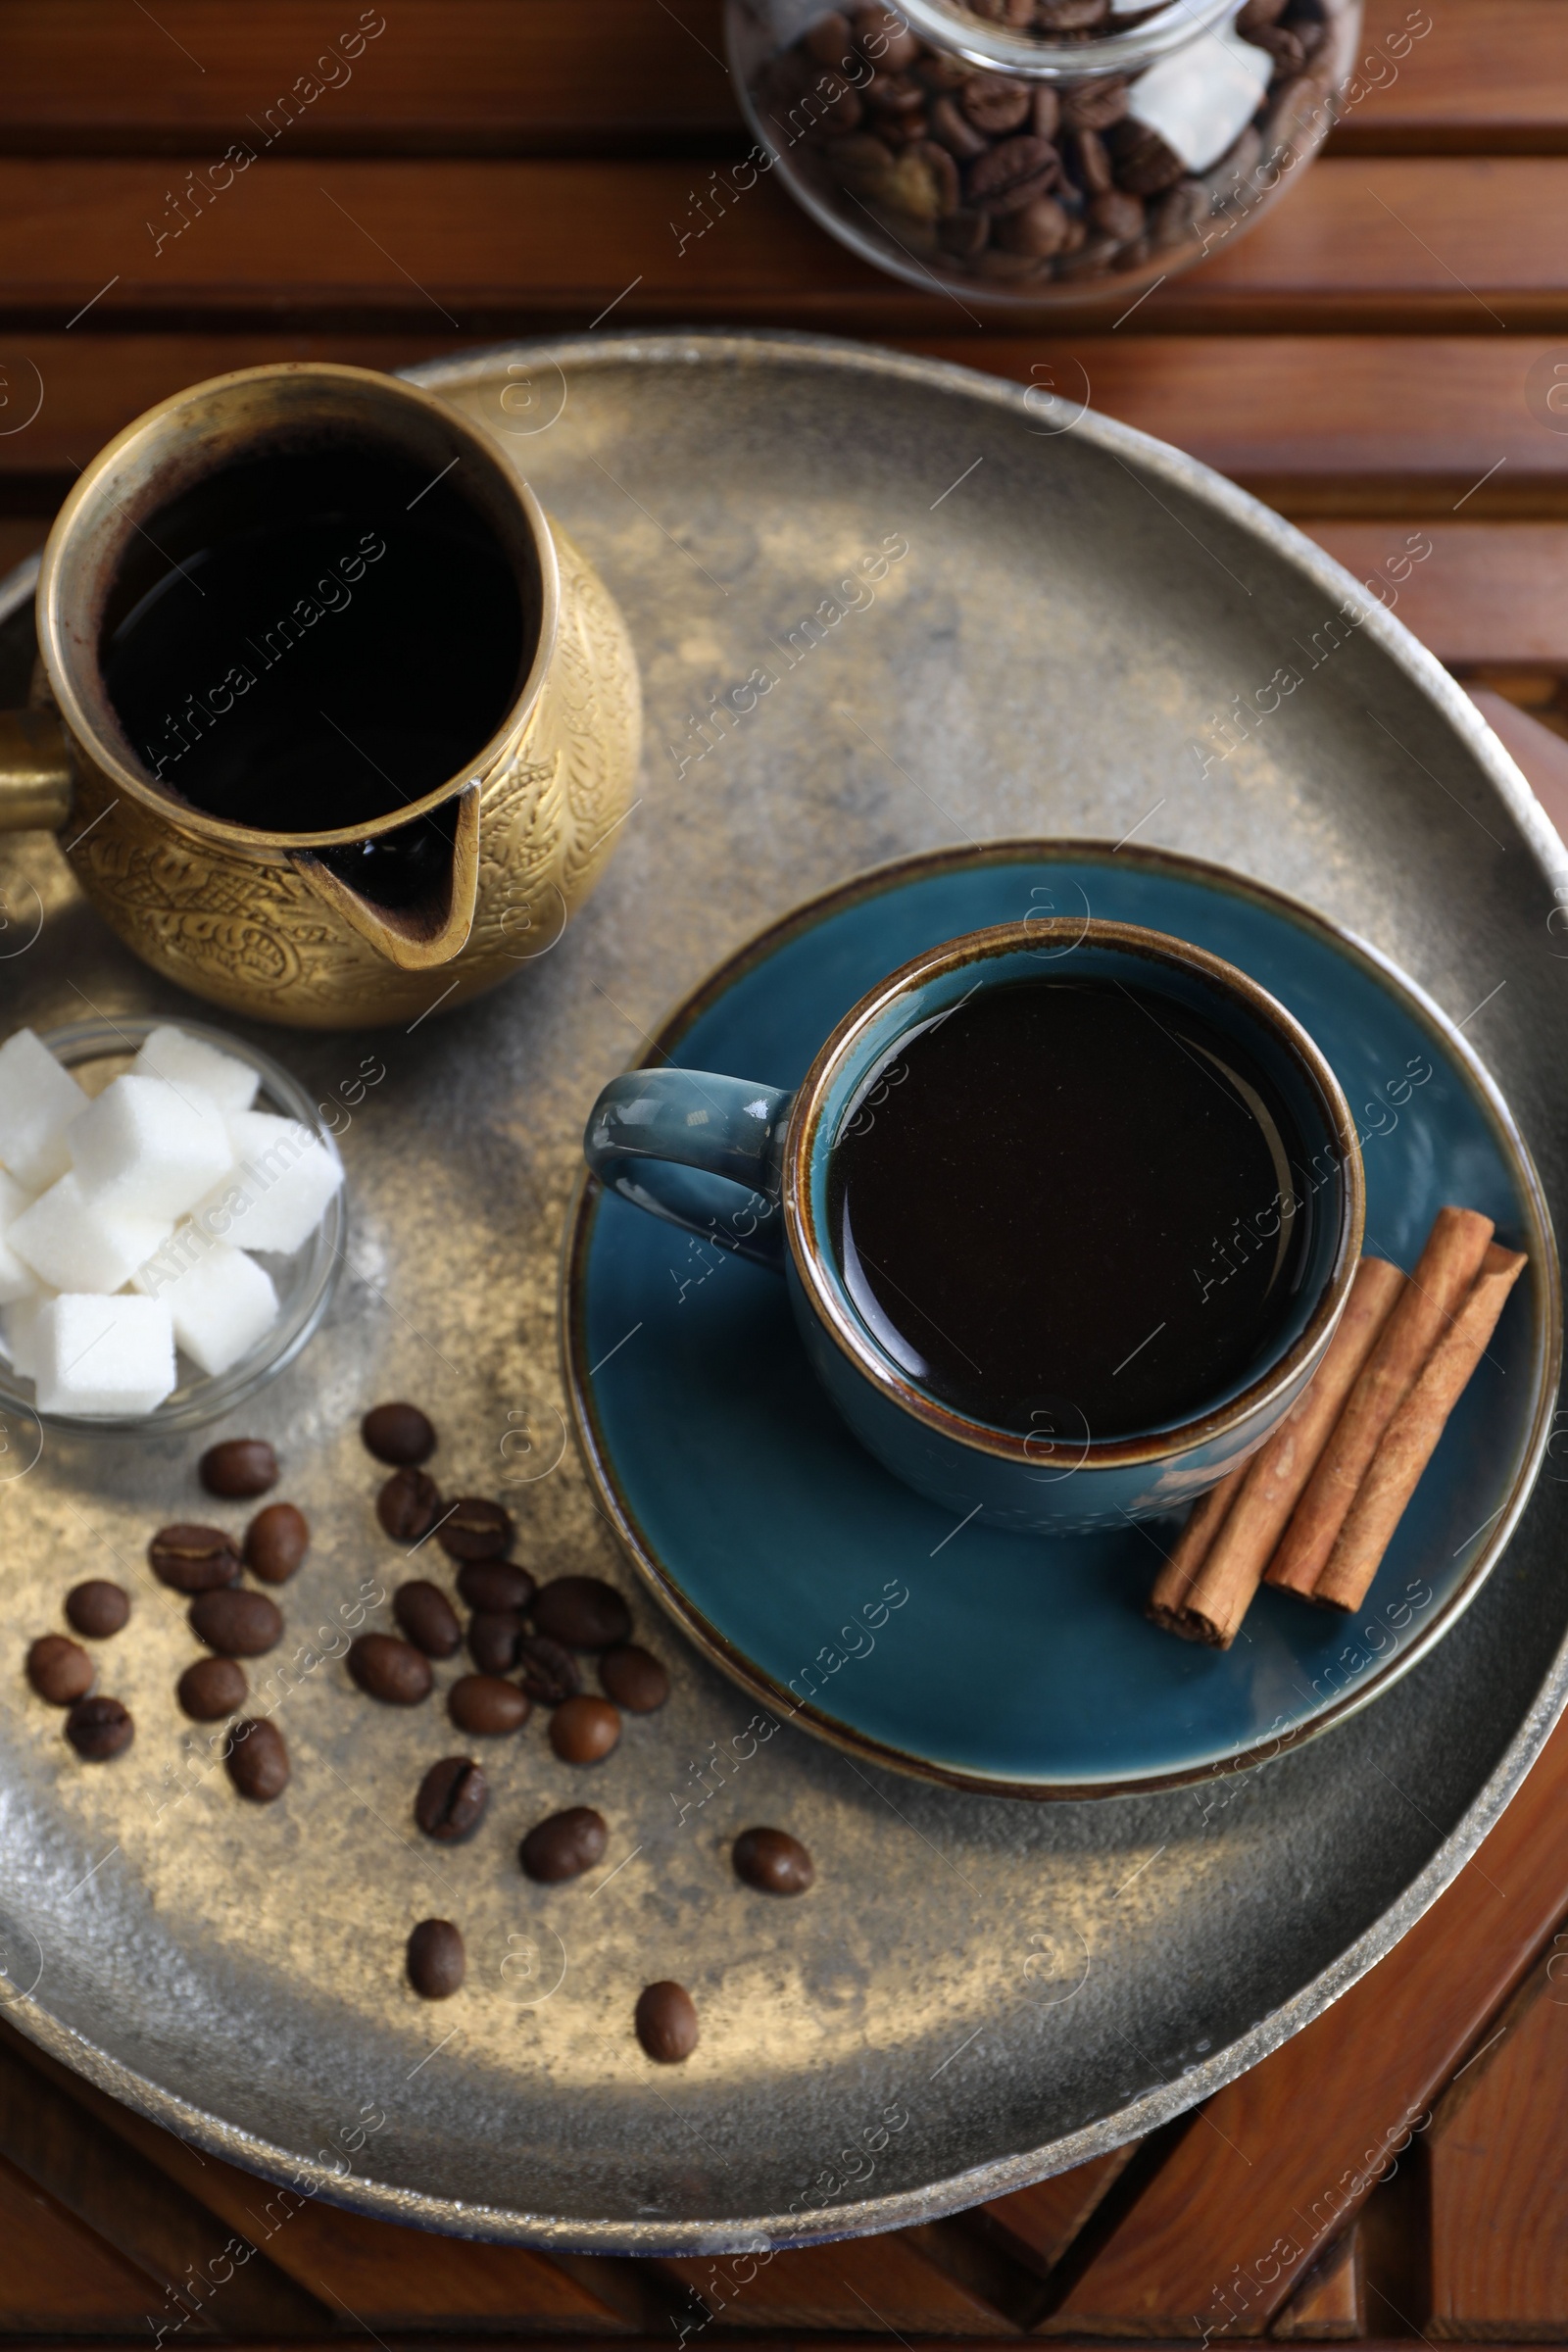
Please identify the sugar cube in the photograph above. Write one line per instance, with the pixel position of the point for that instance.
(38, 1100)
(276, 1194)
(101, 1358)
(186, 1061)
(149, 1147)
(75, 1242)
(221, 1301)
(18, 1327)
(16, 1281)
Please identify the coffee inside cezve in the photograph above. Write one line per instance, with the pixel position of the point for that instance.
(308, 640)
(1063, 1214)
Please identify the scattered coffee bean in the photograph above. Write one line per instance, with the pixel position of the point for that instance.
(276, 1542)
(99, 1727)
(238, 1467)
(398, 1434)
(452, 1799)
(581, 1611)
(60, 1669)
(193, 1559)
(486, 1705)
(548, 1673)
(494, 1585)
(428, 1618)
(666, 2022)
(211, 1688)
(409, 1505)
(97, 1608)
(774, 1862)
(634, 1679)
(436, 1960)
(390, 1670)
(564, 1845)
(494, 1638)
(237, 1624)
(258, 1760)
(584, 1729)
(476, 1530)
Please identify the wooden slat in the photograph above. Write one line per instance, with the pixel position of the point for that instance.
(1490, 77)
(1542, 753)
(1487, 592)
(1040, 2223)
(56, 2277)
(1330, 2304)
(871, 2285)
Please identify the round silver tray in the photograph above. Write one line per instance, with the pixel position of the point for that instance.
(1058, 651)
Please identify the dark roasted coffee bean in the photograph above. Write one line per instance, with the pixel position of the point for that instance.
(1038, 230)
(634, 1679)
(60, 1669)
(1070, 16)
(1285, 46)
(1089, 162)
(487, 1705)
(193, 1559)
(564, 1845)
(666, 2022)
(276, 1542)
(436, 1961)
(1174, 216)
(896, 94)
(428, 1618)
(1256, 15)
(1143, 163)
(393, 1671)
(240, 1466)
(494, 1638)
(1117, 216)
(1012, 173)
(547, 1672)
(211, 1688)
(494, 1585)
(827, 41)
(398, 1434)
(995, 104)
(583, 1730)
(99, 1727)
(409, 1505)
(476, 1530)
(952, 131)
(1096, 104)
(452, 1799)
(772, 1861)
(581, 1611)
(258, 1760)
(97, 1608)
(963, 233)
(237, 1624)
(884, 39)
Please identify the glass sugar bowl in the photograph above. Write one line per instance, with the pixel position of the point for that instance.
(1040, 151)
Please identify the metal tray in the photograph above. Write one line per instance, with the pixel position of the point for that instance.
(1024, 1986)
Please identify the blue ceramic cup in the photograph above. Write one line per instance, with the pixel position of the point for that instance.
(745, 1165)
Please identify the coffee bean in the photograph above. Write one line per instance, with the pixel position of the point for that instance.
(452, 1799)
(963, 233)
(582, 1613)
(772, 1861)
(390, 1670)
(476, 1530)
(1090, 158)
(1046, 117)
(97, 1608)
(1256, 15)
(494, 1638)
(954, 131)
(436, 1961)
(485, 1704)
(1143, 163)
(995, 104)
(884, 39)
(276, 1542)
(237, 1624)
(240, 1466)
(398, 1434)
(60, 1669)
(827, 41)
(584, 1729)
(547, 1672)
(99, 1727)
(1117, 215)
(1096, 104)
(634, 1679)
(428, 1618)
(258, 1760)
(211, 1688)
(494, 1585)
(895, 94)
(409, 1505)
(1070, 16)
(1012, 173)
(666, 2022)
(193, 1559)
(1038, 230)
(564, 1845)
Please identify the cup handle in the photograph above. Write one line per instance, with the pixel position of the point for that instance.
(700, 1151)
(36, 780)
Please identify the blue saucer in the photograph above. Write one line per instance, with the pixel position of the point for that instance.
(1020, 1664)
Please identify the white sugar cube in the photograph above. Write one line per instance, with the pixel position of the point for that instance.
(276, 1194)
(73, 1243)
(185, 1061)
(104, 1357)
(149, 1148)
(221, 1299)
(18, 1323)
(17, 1280)
(39, 1102)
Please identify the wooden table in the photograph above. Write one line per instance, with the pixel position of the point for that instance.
(1362, 362)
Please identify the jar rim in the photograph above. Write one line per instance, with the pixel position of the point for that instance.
(996, 48)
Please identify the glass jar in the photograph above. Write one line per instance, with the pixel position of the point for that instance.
(1040, 151)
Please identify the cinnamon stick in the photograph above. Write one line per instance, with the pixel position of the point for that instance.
(1410, 1439)
(1203, 1521)
(1444, 1274)
(1220, 1594)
